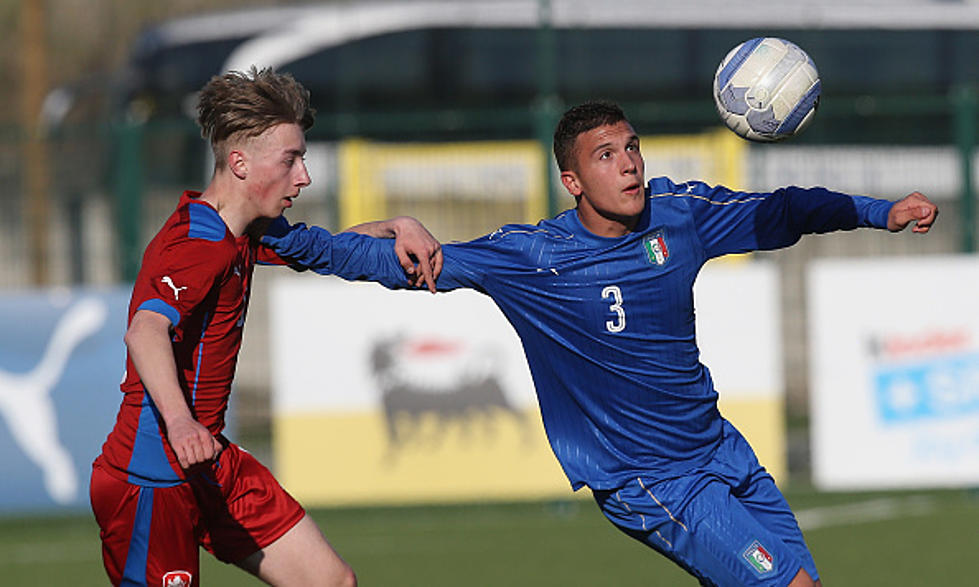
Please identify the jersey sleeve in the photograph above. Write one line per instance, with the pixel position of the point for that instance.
(354, 256)
(181, 276)
(351, 256)
(265, 254)
(471, 264)
(730, 221)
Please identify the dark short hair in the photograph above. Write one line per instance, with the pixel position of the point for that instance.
(580, 119)
(237, 105)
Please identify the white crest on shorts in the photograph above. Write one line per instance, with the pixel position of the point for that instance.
(177, 579)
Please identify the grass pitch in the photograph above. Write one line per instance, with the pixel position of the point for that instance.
(922, 538)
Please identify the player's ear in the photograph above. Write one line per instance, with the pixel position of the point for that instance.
(238, 163)
(570, 180)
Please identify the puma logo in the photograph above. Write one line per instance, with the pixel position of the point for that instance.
(176, 290)
(28, 408)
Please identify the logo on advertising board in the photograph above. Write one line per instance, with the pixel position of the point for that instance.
(759, 558)
(28, 399)
(431, 384)
(932, 378)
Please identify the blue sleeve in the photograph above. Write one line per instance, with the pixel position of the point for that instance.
(360, 257)
(351, 256)
(729, 221)
(493, 262)
(466, 265)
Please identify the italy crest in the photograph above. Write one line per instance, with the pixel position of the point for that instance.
(655, 246)
(759, 558)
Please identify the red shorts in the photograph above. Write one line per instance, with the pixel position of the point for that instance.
(151, 535)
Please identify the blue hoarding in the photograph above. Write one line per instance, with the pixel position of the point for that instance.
(61, 360)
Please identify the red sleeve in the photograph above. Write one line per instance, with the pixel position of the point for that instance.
(179, 274)
(267, 256)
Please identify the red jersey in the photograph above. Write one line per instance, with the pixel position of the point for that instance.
(198, 274)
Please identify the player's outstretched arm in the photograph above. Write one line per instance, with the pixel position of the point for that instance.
(148, 342)
(916, 208)
(419, 253)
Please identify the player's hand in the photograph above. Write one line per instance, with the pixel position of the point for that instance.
(915, 208)
(192, 442)
(418, 251)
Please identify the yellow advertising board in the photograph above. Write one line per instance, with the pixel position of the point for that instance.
(406, 397)
(463, 190)
(419, 398)
(458, 190)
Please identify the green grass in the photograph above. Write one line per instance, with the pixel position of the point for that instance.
(923, 538)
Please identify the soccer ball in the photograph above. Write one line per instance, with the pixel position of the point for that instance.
(766, 89)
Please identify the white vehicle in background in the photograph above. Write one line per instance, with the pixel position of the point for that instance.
(383, 68)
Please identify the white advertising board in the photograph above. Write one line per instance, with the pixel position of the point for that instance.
(894, 372)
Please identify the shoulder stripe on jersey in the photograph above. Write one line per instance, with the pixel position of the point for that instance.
(749, 199)
(500, 233)
(160, 307)
(205, 223)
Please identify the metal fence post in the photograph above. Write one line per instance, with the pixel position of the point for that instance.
(547, 104)
(964, 99)
(37, 183)
(128, 178)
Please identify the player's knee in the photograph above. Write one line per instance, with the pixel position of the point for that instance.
(346, 577)
(802, 579)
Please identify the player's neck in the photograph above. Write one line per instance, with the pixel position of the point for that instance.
(606, 226)
(229, 207)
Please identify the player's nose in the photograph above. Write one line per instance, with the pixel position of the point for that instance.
(629, 165)
(302, 178)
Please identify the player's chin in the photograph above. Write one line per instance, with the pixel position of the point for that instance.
(634, 201)
(277, 211)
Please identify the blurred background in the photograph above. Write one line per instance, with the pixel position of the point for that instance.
(857, 368)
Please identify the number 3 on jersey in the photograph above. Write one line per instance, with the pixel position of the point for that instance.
(613, 292)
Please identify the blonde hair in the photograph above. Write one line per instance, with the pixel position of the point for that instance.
(237, 105)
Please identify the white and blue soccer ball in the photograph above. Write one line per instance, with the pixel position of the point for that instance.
(766, 89)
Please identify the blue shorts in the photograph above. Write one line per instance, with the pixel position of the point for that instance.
(725, 523)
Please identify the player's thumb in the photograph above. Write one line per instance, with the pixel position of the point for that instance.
(217, 447)
(405, 260)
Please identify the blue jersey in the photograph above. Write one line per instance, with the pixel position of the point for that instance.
(607, 324)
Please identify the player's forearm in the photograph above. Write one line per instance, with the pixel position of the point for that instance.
(377, 229)
(817, 210)
(149, 346)
(789, 213)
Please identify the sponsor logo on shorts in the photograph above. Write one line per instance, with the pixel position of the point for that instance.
(759, 558)
(177, 579)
